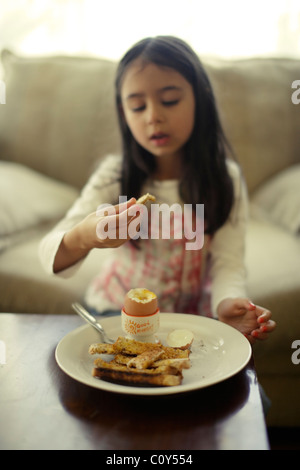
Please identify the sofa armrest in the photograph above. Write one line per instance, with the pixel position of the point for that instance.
(278, 200)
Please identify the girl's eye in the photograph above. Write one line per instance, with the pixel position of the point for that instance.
(170, 103)
(138, 109)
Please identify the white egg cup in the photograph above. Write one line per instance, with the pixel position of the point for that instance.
(140, 328)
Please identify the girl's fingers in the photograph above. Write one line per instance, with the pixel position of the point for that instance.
(256, 334)
(117, 227)
(264, 330)
(264, 317)
(264, 320)
(106, 210)
(240, 306)
(126, 216)
(269, 326)
(119, 208)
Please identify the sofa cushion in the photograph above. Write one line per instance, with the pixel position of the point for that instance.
(272, 261)
(27, 199)
(261, 122)
(59, 116)
(27, 288)
(278, 200)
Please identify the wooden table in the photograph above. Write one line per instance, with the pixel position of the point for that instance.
(42, 408)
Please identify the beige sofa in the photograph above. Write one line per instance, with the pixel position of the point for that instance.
(59, 120)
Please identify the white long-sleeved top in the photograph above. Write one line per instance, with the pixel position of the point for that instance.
(177, 275)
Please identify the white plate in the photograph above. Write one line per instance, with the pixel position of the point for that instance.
(218, 352)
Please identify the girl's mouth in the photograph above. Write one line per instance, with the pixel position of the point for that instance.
(159, 139)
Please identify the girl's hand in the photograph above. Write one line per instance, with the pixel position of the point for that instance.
(97, 230)
(108, 227)
(251, 320)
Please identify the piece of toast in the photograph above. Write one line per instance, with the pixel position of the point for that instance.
(133, 347)
(101, 348)
(179, 363)
(136, 362)
(146, 359)
(146, 197)
(161, 376)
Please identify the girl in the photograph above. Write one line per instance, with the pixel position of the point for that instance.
(173, 147)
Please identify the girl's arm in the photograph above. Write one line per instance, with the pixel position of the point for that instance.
(227, 248)
(68, 242)
(83, 237)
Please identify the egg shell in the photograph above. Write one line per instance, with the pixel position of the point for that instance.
(140, 302)
(180, 339)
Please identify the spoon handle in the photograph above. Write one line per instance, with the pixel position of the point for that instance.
(91, 320)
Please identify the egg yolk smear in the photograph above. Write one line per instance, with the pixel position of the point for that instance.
(141, 295)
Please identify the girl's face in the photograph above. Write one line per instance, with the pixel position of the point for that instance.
(159, 108)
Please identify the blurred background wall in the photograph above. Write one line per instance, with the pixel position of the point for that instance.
(107, 28)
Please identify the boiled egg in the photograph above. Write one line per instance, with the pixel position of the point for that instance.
(140, 302)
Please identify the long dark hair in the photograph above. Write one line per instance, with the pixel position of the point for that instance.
(205, 179)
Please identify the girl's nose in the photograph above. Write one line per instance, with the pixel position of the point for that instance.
(155, 114)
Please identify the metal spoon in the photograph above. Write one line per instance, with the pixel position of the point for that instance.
(92, 321)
